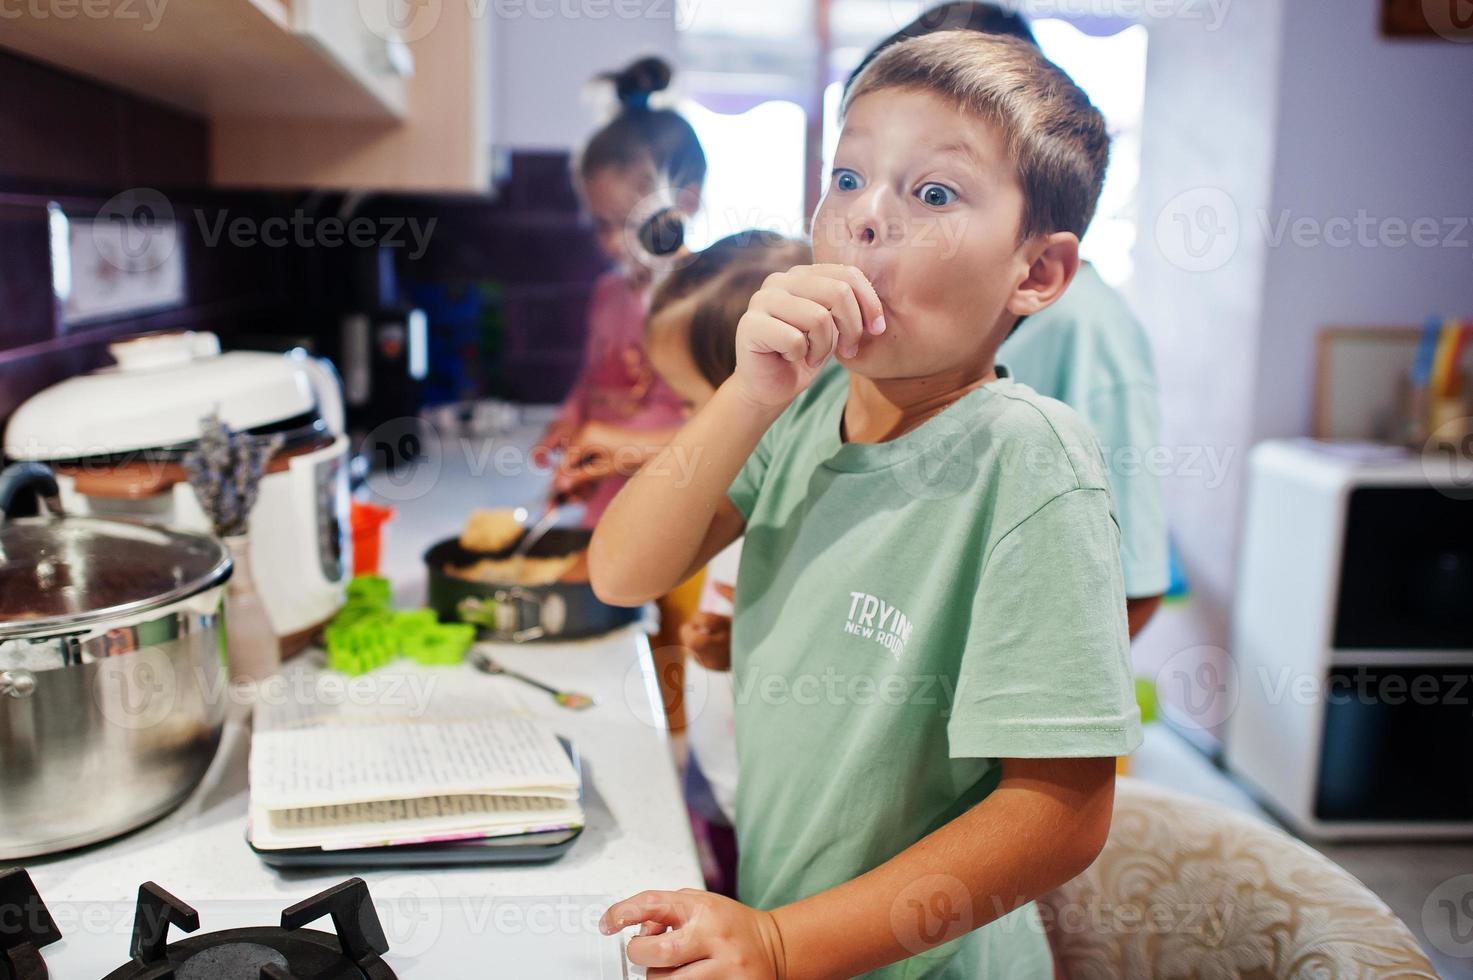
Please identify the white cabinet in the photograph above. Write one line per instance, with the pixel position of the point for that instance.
(371, 54)
(440, 145)
(1353, 644)
(298, 93)
(214, 58)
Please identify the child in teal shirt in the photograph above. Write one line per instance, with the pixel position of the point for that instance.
(929, 646)
(1090, 352)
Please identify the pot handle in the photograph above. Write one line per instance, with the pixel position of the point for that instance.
(36, 477)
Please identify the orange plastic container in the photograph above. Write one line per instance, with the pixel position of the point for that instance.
(368, 522)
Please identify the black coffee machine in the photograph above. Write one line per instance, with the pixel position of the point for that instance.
(383, 354)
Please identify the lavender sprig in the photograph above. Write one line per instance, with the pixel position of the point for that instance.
(225, 470)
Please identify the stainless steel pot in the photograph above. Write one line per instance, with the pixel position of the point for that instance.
(112, 686)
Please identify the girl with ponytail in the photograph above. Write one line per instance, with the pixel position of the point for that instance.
(644, 161)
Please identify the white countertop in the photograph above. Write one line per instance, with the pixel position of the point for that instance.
(440, 923)
(542, 917)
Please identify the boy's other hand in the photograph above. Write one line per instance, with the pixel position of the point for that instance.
(795, 321)
(710, 936)
(708, 637)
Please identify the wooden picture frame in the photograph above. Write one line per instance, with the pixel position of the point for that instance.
(1449, 19)
(1404, 18)
(1362, 377)
(1357, 378)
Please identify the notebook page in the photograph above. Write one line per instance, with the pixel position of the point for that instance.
(338, 765)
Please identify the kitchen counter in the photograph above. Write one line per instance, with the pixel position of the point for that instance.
(543, 917)
(440, 923)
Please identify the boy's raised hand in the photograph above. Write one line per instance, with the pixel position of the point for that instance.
(795, 321)
(698, 935)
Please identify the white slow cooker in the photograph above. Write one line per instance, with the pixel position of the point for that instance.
(116, 439)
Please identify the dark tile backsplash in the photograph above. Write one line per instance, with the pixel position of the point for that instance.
(70, 141)
(531, 243)
(27, 314)
(64, 129)
(77, 143)
(228, 290)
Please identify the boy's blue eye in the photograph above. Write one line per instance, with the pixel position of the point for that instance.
(936, 195)
(846, 180)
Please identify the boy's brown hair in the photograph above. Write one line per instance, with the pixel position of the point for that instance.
(722, 278)
(1055, 136)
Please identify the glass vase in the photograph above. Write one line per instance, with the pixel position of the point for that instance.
(253, 652)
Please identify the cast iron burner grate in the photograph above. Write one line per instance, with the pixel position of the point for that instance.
(263, 953)
(25, 926)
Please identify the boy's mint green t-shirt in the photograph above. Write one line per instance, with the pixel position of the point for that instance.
(907, 614)
(1090, 352)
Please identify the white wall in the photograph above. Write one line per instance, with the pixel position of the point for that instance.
(545, 52)
(1374, 126)
(1294, 107)
(1207, 153)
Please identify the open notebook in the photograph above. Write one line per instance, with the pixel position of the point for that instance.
(351, 782)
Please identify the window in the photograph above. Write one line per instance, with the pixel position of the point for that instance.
(756, 174)
(748, 72)
(1112, 69)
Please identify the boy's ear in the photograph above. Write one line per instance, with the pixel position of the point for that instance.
(1052, 261)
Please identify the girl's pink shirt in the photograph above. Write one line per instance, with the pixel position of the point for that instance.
(617, 383)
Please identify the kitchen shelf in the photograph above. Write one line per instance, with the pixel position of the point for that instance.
(297, 94)
(219, 59)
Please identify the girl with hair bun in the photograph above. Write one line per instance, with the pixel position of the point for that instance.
(619, 412)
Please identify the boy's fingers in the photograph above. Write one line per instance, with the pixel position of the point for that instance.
(673, 948)
(810, 316)
(864, 291)
(702, 970)
(665, 908)
(847, 312)
(727, 591)
(835, 294)
(769, 335)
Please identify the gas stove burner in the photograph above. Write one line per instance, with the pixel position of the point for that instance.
(264, 953)
(25, 926)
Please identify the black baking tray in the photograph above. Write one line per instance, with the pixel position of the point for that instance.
(567, 610)
(538, 848)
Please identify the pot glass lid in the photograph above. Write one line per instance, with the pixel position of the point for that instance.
(59, 574)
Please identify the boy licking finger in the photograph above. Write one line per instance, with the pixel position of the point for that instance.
(929, 642)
